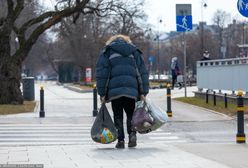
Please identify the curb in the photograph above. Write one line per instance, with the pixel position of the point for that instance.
(36, 108)
(76, 89)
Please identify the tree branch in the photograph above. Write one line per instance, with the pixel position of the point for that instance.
(18, 9)
(55, 18)
(10, 8)
(34, 21)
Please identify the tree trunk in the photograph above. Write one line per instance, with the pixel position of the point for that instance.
(10, 75)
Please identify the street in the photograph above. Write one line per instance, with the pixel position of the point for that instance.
(194, 136)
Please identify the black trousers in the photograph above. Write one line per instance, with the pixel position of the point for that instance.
(118, 105)
(174, 80)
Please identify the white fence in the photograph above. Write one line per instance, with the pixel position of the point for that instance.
(224, 74)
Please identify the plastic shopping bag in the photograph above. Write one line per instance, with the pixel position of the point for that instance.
(180, 78)
(160, 116)
(142, 119)
(103, 130)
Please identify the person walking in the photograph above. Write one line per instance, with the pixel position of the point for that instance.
(174, 71)
(122, 79)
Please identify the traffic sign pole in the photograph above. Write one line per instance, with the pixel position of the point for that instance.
(185, 65)
(184, 23)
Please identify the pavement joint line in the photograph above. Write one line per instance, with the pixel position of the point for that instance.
(44, 131)
(44, 125)
(164, 138)
(46, 128)
(39, 139)
(80, 134)
(84, 144)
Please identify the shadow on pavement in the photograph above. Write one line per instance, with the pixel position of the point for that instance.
(127, 153)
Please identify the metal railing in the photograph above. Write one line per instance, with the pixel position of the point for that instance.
(224, 74)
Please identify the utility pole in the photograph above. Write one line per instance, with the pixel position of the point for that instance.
(185, 64)
(158, 40)
(184, 24)
(203, 5)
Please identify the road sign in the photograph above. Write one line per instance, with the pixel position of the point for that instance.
(151, 58)
(183, 17)
(88, 76)
(184, 23)
(242, 6)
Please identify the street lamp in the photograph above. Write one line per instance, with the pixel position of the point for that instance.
(203, 5)
(148, 38)
(158, 40)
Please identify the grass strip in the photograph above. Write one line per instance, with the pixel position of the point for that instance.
(231, 110)
(27, 106)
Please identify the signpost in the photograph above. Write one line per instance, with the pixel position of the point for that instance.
(242, 6)
(151, 59)
(183, 17)
(184, 24)
(88, 77)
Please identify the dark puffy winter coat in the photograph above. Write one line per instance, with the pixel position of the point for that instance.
(120, 71)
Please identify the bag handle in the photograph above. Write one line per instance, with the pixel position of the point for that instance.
(103, 106)
(144, 104)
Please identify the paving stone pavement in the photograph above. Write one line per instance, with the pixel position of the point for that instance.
(62, 139)
(147, 155)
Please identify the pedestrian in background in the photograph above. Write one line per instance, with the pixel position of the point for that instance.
(205, 56)
(122, 79)
(175, 71)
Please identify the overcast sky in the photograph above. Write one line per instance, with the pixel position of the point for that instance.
(166, 10)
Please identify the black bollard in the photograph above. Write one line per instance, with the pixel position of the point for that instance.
(95, 112)
(169, 112)
(225, 99)
(42, 112)
(207, 96)
(240, 137)
(214, 98)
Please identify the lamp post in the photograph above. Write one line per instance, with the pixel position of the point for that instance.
(203, 5)
(149, 50)
(158, 40)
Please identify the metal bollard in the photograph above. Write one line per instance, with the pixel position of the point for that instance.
(169, 112)
(94, 101)
(225, 99)
(207, 96)
(42, 112)
(240, 137)
(214, 98)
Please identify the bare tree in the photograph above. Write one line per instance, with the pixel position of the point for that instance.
(10, 64)
(83, 40)
(220, 19)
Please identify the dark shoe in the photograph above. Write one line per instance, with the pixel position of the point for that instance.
(120, 145)
(132, 140)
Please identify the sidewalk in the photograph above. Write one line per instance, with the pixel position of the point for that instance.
(62, 139)
(105, 156)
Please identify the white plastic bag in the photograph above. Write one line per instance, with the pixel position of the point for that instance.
(159, 115)
(180, 78)
(142, 119)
